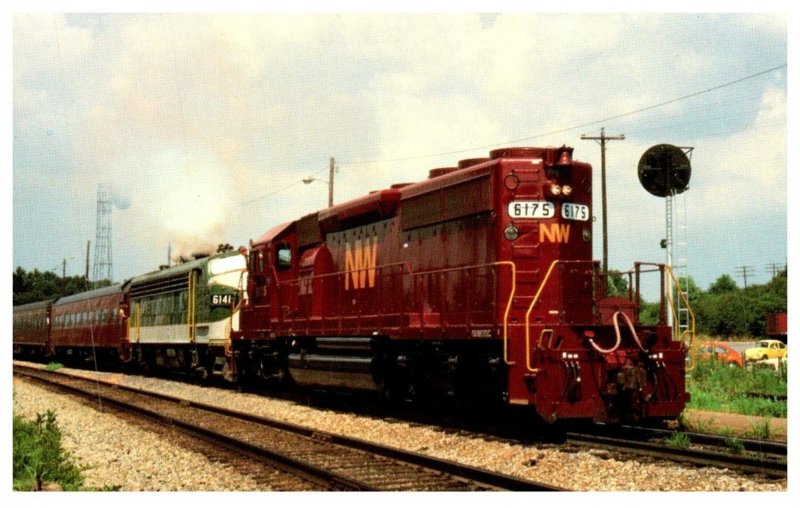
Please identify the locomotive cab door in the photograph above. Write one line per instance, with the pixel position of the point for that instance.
(315, 267)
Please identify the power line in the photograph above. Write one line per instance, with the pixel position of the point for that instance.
(271, 193)
(513, 141)
(566, 129)
(774, 268)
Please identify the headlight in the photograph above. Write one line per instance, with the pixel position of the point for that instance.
(555, 189)
(566, 190)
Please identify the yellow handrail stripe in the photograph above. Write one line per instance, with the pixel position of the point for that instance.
(190, 306)
(138, 317)
(508, 307)
(692, 329)
(528, 316)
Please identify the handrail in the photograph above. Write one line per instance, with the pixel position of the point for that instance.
(528, 316)
(691, 332)
(406, 270)
(229, 329)
(508, 308)
(289, 282)
(191, 303)
(137, 315)
(692, 329)
(536, 300)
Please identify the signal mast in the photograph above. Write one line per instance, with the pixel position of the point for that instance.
(664, 171)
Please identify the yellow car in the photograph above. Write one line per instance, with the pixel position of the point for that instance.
(765, 349)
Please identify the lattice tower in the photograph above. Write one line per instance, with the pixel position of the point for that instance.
(103, 267)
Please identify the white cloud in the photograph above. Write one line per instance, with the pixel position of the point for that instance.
(745, 174)
(254, 102)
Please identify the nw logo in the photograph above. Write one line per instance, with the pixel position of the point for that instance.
(556, 233)
(360, 261)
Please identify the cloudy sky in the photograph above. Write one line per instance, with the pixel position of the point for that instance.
(206, 124)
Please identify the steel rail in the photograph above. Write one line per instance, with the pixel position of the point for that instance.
(770, 467)
(481, 478)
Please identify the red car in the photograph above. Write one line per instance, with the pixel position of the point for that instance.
(722, 352)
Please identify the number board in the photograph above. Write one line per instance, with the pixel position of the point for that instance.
(547, 210)
(225, 300)
(531, 210)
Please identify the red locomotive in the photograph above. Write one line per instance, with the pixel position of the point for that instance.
(476, 283)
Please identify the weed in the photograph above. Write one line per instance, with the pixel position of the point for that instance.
(761, 430)
(726, 431)
(54, 366)
(38, 456)
(715, 386)
(735, 444)
(700, 425)
(679, 440)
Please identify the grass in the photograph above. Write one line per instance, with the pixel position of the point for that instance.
(679, 440)
(717, 387)
(39, 458)
(760, 430)
(735, 444)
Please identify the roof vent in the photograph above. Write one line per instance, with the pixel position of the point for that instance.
(433, 173)
(465, 163)
(518, 153)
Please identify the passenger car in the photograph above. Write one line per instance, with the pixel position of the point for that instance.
(722, 352)
(765, 349)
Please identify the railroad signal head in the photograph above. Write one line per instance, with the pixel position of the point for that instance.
(664, 170)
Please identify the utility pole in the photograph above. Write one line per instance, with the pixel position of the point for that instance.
(742, 270)
(86, 277)
(602, 141)
(330, 183)
(775, 268)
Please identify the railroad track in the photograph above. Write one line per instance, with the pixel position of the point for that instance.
(330, 461)
(763, 457)
(767, 458)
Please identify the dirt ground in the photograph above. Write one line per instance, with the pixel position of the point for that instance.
(741, 425)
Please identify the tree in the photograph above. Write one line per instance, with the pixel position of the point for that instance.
(729, 311)
(38, 286)
(617, 284)
(723, 284)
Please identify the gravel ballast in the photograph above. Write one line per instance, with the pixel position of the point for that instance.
(119, 454)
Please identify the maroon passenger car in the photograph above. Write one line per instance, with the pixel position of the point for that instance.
(92, 325)
(31, 332)
(476, 283)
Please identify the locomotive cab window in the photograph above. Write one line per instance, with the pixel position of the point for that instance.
(283, 259)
